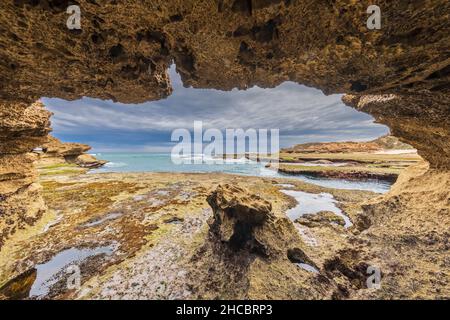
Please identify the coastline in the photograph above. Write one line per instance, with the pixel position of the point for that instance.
(157, 235)
(153, 232)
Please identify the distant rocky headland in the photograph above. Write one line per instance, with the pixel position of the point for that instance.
(383, 158)
(382, 144)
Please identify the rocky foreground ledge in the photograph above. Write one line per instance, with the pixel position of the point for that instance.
(198, 236)
(152, 237)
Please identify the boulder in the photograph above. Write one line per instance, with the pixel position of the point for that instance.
(319, 219)
(237, 216)
(89, 161)
(252, 251)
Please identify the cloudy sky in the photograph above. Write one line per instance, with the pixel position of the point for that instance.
(301, 114)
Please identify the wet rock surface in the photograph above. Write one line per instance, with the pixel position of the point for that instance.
(179, 240)
(311, 220)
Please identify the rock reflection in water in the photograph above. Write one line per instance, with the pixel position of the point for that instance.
(310, 203)
(49, 273)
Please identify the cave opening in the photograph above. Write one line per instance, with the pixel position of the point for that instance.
(139, 137)
(398, 74)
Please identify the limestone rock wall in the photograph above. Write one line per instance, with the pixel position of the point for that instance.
(124, 48)
(22, 128)
(407, 235)
(420, 120)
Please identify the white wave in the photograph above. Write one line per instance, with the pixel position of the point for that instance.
(115, 165)
(189, 156)
(208, 159)
(240, 160)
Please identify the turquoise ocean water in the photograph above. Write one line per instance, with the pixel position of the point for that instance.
(159, 162)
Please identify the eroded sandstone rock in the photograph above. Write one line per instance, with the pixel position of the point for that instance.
(421, 120)
(89, 161)
(252, 251)
(405, 234)
(320, 218)
(54, 147)
(237, 218)
(123, 49)
(22, 128)
(56, 152)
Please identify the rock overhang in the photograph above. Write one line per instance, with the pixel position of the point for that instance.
(123, 50)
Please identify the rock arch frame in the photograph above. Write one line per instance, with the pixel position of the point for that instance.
(399, 74)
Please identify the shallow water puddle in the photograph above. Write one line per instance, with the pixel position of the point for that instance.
(307, 236)
(307, 267)
(110, 216)
(49, 273)
(310, 203)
